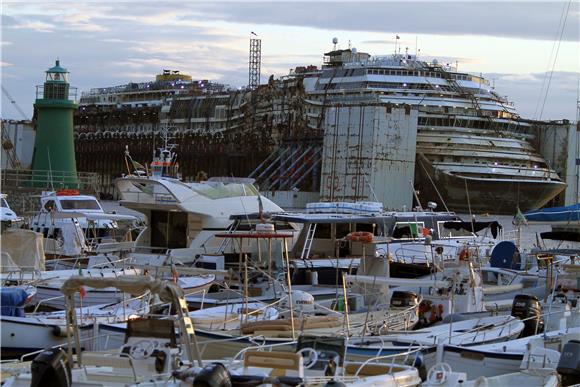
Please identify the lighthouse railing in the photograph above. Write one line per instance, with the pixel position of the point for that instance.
(53, 180)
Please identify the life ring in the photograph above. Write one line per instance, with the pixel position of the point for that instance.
(360, 236)
(68, 192)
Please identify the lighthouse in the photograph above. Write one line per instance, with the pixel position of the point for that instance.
(53, 161)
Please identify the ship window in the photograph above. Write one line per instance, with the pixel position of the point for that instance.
(322, 231)
(3, 203)
(342, 229)
(79, 204)
(409, 230)
(368, 227)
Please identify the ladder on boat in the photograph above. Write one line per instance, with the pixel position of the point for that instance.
(188, 331)
(308, 242)
(226, 241)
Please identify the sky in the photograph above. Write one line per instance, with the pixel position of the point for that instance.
(528, 50)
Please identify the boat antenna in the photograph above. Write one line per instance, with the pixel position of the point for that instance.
(49, 169)
(469, 206)
(127, 157)
(260, 208)
(553, 58)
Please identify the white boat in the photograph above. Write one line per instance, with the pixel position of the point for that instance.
(418, 237)
(7, 215)
(500, 283)
(229, 317)
(74, 224)
(442, 375)
(49, 294)
(36, 331)
(489, 360)
(184, 217)
(307, 362)
(153, 350)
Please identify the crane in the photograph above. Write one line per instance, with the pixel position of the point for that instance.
(7, 144)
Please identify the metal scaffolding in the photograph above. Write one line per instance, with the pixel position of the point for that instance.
(255, 63)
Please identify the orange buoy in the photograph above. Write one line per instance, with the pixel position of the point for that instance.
(68, 192)
(360, 236)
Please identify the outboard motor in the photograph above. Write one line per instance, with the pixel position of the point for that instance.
(528, 308)
(51, 369)
(569, 364)
(402, 299)
(213, 375)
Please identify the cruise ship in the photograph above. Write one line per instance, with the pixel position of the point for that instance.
(474, 152)
(473, 149)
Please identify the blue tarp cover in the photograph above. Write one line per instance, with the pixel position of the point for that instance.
(12, 300)
(570, 214)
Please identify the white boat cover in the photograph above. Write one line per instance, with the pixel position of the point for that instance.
(135, 285)
(25, 247)
(7, 264)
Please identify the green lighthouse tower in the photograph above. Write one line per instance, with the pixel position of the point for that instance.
(54, 153)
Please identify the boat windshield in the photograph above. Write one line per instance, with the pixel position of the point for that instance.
(3, 203)
(216, 190)
(80, 204)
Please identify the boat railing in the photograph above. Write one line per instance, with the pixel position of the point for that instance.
(404, 316)
(261, 346)
(26, 178)
(65, 263)
(123, 262)
(44, 301)
(63, 345)
(21, 274)
(391, 359)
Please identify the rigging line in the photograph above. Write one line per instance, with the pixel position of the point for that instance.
(13, 102)
(555, 58)
(544, 80)
(434, 185)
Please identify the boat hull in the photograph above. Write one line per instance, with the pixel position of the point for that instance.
(52, 297)
(22, 335)
(486, 195)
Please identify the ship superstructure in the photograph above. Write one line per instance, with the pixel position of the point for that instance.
(470, 140)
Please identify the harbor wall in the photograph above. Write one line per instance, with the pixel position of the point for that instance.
(369, 154)
(558, 142)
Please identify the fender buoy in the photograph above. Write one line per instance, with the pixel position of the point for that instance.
(360, 236)
(464, 254)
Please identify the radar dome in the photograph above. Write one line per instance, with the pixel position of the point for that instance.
(334, 40)
(354, 50)
(435, 61)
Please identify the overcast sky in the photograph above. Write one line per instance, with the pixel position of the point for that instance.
(107, 43)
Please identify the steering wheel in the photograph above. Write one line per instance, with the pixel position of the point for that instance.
(309, 357)
(142, 349)
(438, 373)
